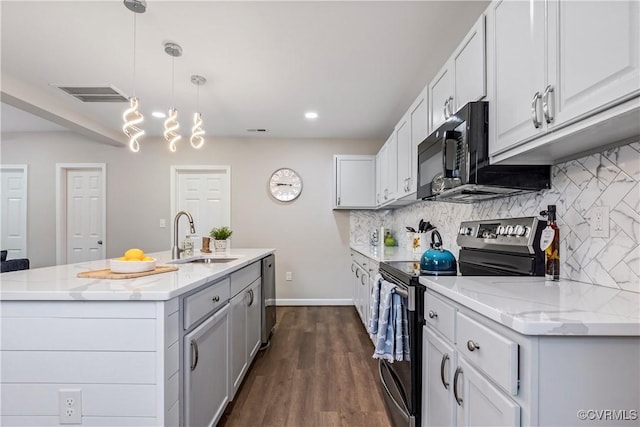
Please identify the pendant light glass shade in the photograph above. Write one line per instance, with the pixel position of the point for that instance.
(197, 139)
(132, 117)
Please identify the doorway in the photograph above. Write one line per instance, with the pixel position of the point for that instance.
(204, 191)
(80, 212)
(14, 210)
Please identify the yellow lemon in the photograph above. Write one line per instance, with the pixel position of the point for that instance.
(134, 255)
(122, 258)
(147, 258)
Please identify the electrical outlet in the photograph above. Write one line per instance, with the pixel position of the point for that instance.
(600, 221)
(70, 406)
(288, 276)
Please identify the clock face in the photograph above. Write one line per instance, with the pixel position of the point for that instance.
(285, 184)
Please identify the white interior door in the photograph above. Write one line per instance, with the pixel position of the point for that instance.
(14, 210)
(81, 213)
(203, 191)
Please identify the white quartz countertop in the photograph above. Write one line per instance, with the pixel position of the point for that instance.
(61, 282)
(386, 253)
(533, 306)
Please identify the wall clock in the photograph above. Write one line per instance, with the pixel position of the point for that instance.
(285, 184)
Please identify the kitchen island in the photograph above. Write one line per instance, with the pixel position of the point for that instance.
(125, 350)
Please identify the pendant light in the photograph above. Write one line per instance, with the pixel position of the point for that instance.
(197, 140)
(132, 117)
(171, 125)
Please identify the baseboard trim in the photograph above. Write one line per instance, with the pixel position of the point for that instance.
(314, 301)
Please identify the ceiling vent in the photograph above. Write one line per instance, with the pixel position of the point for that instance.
(256, 130)
(94, 93)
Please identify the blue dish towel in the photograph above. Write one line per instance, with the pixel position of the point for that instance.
(375, 306)
(391, 338)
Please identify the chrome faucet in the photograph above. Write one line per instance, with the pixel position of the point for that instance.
(175, 250)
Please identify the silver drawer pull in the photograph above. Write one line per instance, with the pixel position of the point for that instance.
(215, 299)
(194, 347)
(432, 314)
(455, 385)
(445, 357)
(472, 345)
(534, 110)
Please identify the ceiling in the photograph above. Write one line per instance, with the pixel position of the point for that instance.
(358, 64)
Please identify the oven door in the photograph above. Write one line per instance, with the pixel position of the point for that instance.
(402, 380)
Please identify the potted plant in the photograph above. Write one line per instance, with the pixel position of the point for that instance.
(220, 236)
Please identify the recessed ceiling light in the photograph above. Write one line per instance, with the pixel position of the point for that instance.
(158, 114)
(311, 115)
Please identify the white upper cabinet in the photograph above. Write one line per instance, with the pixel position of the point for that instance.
(388, 170)
(557, 65)
(593, 56)
(441, 96)
(405, 157)
(519, 70)
(354, 181)
(462, 79)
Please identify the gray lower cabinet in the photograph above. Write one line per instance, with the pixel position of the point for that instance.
(205, 367)
(245, 333)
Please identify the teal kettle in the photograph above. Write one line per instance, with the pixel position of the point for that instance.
(438, 261)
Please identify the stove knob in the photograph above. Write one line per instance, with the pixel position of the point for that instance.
(521, 230)
(500, 230)
(509, 230)
(467, 231)
(461, 231)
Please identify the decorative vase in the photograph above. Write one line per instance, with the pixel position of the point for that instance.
(220, 245)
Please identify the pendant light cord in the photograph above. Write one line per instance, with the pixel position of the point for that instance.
(134, 54)
(173, 82)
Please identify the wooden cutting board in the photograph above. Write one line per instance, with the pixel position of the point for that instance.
(108, 274)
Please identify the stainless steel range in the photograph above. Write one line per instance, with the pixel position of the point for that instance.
(501, 247)
(495, 247)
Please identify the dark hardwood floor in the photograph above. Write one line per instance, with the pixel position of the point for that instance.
(317, 372)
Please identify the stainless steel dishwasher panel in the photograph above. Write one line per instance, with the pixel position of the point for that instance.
(268, 297)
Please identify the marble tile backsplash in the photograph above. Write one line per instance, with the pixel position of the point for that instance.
(610, 178)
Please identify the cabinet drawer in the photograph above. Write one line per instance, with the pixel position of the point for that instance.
(489, 351)
(244, 277)
(440, 315)
(206, 301)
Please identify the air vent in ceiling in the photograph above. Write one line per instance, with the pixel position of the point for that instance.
(256, 130)
(94, 93)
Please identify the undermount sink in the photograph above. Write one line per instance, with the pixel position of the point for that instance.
(203, 260)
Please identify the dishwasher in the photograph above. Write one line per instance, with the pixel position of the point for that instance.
(268, 298)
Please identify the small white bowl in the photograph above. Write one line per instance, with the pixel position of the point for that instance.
(132, 266)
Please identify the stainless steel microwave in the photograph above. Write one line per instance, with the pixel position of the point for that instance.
(453, 162)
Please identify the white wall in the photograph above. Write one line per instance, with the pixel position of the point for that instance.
(311, 240)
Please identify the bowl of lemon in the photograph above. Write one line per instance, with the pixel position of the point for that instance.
(133, 261)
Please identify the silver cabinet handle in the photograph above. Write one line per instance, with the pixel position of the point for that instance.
(455, 386)
(534, 110)
(446, 110)
(472, 345)
(250, 292)
(445, 357)
(357, 274)
(194, 357)
(99, 242)
(545, 104)
(361, 280)
(352, 267)
(450, 106)
(338, 201)
(432, 314)
(215, 299)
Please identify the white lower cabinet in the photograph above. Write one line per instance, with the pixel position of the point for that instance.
(439, 360)
(479, 402)
(477, 372)
(205, 370)
(363, 271)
